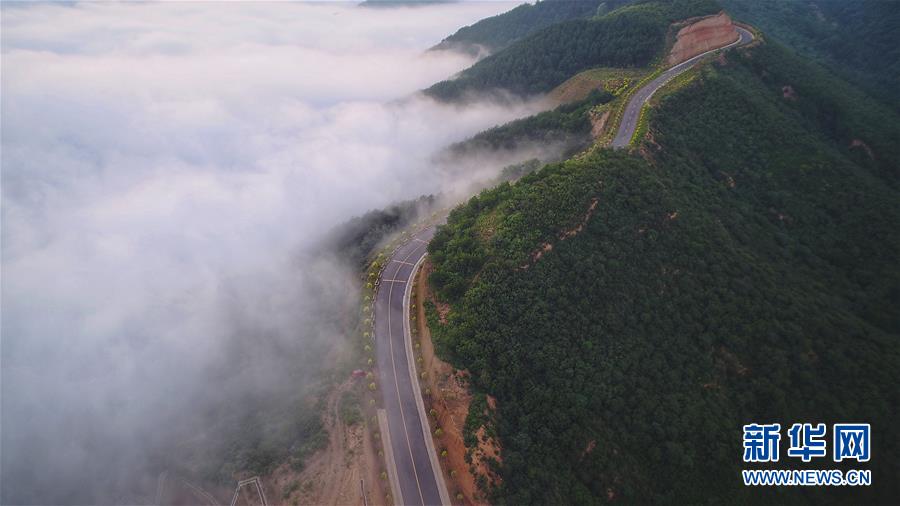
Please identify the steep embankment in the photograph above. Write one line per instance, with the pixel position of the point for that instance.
(449, 401)
(701, 36)
(331, 476)
(743, 270)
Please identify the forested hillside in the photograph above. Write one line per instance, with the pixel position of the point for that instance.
(631, 36)
(631, 311)
(568, 126)
(499, 31)
(858, 40)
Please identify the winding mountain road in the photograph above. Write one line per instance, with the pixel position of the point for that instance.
(633, 109)
(411, 456)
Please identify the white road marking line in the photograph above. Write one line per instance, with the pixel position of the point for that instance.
(426, 428)
(385, 429)
(393, 281)
(397, 386)
(402, 262)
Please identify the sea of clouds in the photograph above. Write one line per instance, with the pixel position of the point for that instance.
(164, 166)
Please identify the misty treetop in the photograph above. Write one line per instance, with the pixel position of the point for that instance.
(356, 239)
(567, 125)
(497, 32)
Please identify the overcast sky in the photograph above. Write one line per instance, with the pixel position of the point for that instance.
(162, 165)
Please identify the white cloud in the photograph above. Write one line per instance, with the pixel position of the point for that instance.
(162, 165)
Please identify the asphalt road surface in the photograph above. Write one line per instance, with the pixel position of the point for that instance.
(415, 471)
(633, 109)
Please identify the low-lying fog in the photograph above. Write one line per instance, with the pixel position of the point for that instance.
(164, 166)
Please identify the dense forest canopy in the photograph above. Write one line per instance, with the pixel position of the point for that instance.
(631, 36)
(858, 40)
(497, 32)
(744, 268)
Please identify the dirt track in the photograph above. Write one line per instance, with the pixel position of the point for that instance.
(332, 475)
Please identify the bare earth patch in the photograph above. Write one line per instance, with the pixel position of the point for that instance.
(858, 143)
(450, 399)
(787, 91)
(563, 235)
(579, 86)
(332, 475)
(700, 36)
(598, 123)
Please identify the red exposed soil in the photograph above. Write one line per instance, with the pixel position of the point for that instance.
(787, 91)
(450, 399)
(598, 123)
(565, 234)
(701, 36)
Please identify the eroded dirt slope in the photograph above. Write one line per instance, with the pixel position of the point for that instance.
(701, 36)
(450, 399)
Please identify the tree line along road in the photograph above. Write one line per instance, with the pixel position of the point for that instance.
(411, 457)
(633, 109)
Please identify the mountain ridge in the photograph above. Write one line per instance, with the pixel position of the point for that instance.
(693, 295)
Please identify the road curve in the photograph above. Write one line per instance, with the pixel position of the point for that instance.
(633, 109)
(420, 479)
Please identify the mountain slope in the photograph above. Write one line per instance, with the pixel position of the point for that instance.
(860, 41)
(630, 36)
(567, 126)
(630, 313)
(498, 32)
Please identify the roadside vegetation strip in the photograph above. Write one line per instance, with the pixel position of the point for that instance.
(611, 79)
(619, 105)
(641, 129)
(674, 84)
(755, 32)
(380, 261)
(375, 275)
(690, 64)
